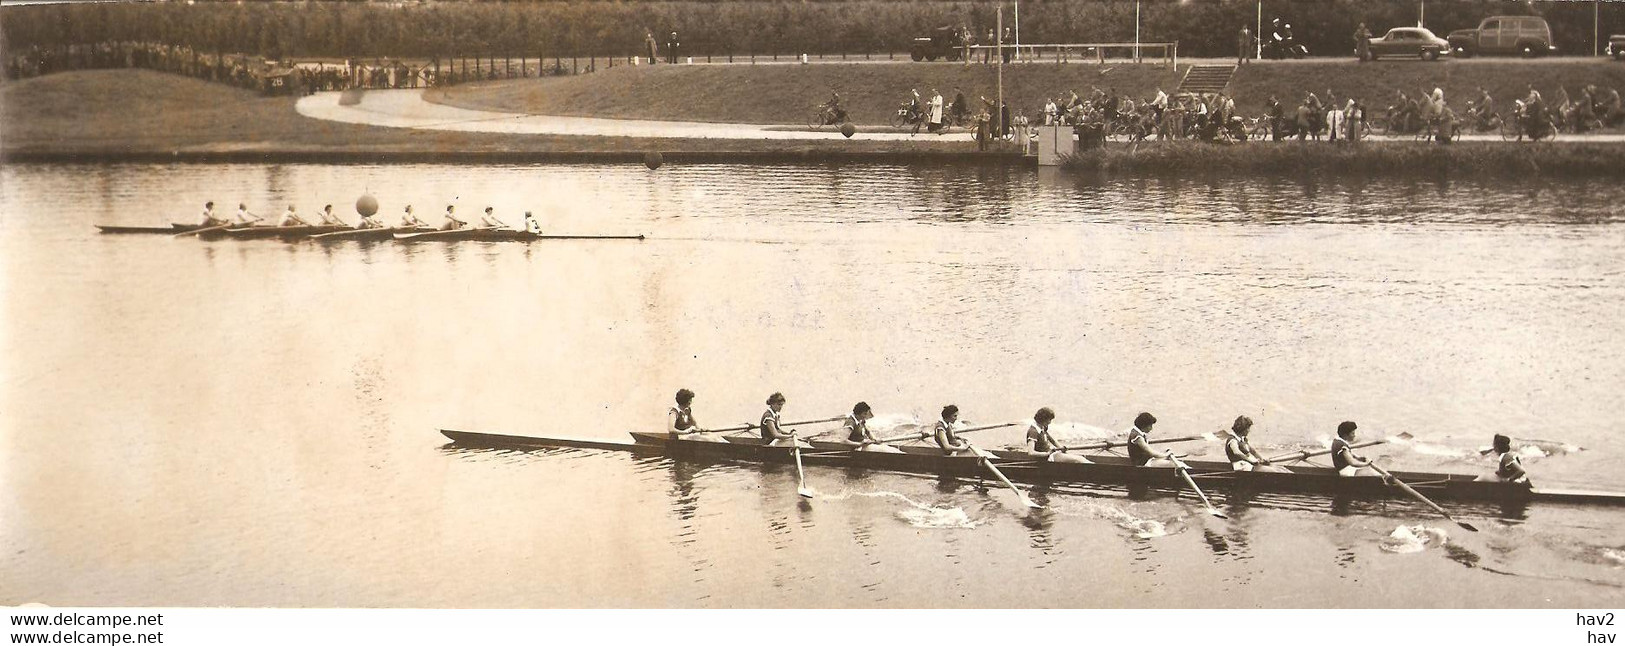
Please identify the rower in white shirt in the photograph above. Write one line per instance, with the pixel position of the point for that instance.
(452, 223)
(409, 221)
(328, 219)
(490, 221)
(531, 224)
(210, 219)
(290, 218)
(244, 218)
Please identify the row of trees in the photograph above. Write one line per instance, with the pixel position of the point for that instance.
(611, 28)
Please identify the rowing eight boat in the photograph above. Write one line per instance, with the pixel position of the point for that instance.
(505, 235)
(381, 233)
(1105, 469)
(169, 230)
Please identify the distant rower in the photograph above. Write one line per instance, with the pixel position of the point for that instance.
(531, 224)
(1040, 444)
(328, 219)
(950, 443)
(244, 218)
(1240, 451)
(680, 420)
(370, 222)
(857, 434)
(209, 217)
(1343, 457)
(1139, 451)
(410, 221)
(290, 218)
(452, 223)
(1510, 466)
(490, 221)
(774, 434)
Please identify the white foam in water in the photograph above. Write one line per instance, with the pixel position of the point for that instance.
(1079, 431)
(1617, 557)
(1142, 527)
(922, 515)
(1409, 539)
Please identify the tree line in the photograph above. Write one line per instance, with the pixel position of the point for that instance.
(786, 27)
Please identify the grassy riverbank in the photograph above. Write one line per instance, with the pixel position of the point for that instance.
(143, 114)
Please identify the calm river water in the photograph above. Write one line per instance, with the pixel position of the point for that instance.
(254, 423)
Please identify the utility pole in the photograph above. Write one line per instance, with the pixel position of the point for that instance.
(998, 37)
(1018, 29)
(1258, 33)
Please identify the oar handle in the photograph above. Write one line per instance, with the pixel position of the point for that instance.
(925, 434)
(1304, 455)
(1112, 445)
(747, 427)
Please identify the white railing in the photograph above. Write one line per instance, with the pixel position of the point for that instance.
(1166, 53)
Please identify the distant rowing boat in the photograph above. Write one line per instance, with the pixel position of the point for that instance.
(300, 231)
(1106, 469)
(169, 230)
(505, 235)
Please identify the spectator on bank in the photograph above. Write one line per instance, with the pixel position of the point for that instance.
(671, 48)
(987, 53)
(1051, 112)
(935, 120)
(958, 109)
(966, 41)
(650, 44)
(1005, 51)
(1244, 45)
(1362, 43)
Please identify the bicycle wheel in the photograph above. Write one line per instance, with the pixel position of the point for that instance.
(1509, 130)
(815, 120)
(899, 120)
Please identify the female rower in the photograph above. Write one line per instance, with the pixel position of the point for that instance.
(1139, 451)
(857, 434)
(409, 221)
(1040, 444)
(1240, 451)
(244, 218)
(950, 443)
(209, 217)
(774, 434)
(370, 222)
(290, 218)
(1343, 457)
(531, 224)
(490, 221)
(1509, 468)
(328, 219)
(680, 420)
(452, 223)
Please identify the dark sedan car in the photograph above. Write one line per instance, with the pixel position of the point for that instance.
(1409, 42)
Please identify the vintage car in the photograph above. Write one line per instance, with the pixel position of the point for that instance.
(942, 43)
(1409, 42)
(1526, 36)
(1616, 46)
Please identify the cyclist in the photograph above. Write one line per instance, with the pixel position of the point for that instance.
(833, 111)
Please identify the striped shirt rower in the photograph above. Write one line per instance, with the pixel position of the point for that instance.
(1240, 452)
(772, 433)
(944, 431)
(856, 433)
(1139, 451)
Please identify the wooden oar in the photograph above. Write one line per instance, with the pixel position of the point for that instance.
(1112, 445)
(926, 434)
(1423, 499)
(194, 232)
(801, 478)
(1298, 456)
(987, 461)
(747, 427)
(1186, 474)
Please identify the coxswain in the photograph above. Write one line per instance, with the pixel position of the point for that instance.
(328, 219)
(772, 433)
(1040, 444)
(244, 218)
(856, 434)
(951, 444)
(410, 221)
(452, 223)
(531, 224)
(290, 218)
(1240, 452)
(1139, 451)
(1509, 469)
(490, 221)
(680, 422)
(209, 217)
(1343, 457)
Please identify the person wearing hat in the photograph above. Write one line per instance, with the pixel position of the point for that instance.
(1509, 467)
(1240, 452)
(856, 433)
(772, 432)
(1139, 451)
(1343, 457)
(1040, 444)
(680, 422)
